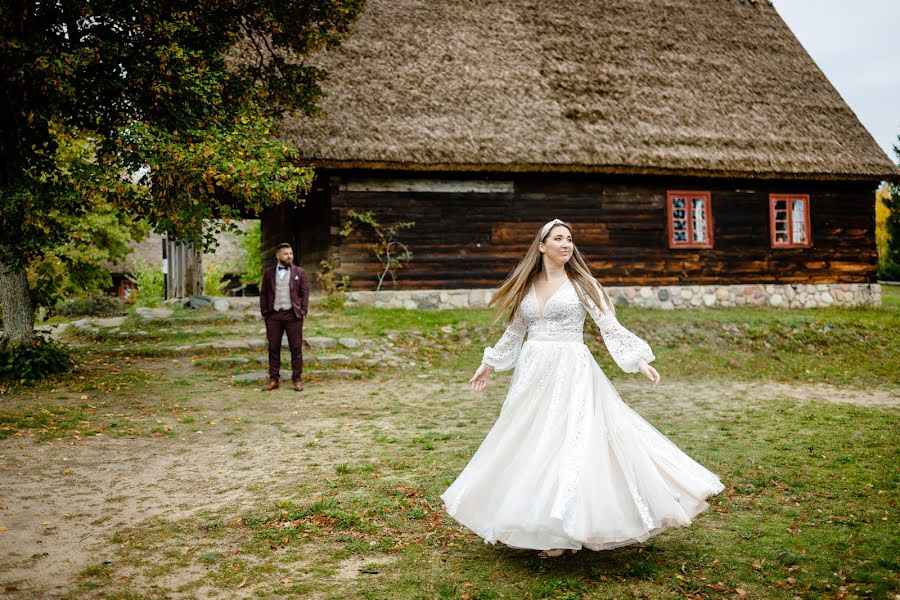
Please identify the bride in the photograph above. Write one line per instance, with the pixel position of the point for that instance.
(568, 465)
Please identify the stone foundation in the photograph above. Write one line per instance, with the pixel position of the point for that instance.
(666, 297)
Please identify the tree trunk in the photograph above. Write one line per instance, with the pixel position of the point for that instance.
(18, 310)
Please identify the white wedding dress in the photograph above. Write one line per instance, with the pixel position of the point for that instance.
(568, 464)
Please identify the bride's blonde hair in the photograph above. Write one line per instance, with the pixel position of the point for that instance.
(508, 297)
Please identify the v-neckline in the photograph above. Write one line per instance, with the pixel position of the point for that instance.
(537, 300)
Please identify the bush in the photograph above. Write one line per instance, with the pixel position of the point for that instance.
(28, 361)
(251, 244)
(214, 282)
(150, 282)
(90, 306)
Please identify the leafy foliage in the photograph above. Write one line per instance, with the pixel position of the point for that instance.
(251, 245)
(93, 305)
(32, 360)
(162, 109)
(150, 282)
(889, 250)
(388, 249)
(214, 278)
(81, 265)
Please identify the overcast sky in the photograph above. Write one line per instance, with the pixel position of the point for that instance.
(855, 43)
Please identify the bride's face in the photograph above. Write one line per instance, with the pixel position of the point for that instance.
(557, 246)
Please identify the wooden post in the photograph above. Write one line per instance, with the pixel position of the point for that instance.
(184, 272)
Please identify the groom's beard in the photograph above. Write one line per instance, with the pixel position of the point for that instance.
(285, 264)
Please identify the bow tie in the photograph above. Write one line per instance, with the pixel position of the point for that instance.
(280, 268)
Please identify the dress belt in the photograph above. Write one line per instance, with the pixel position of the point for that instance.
(556, 336)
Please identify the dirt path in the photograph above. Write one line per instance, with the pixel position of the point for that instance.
(62, 501)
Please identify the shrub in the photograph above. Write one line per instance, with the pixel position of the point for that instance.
(150, 282)
(28, 361)
(94, 305)
(214, 278)
(251, 244)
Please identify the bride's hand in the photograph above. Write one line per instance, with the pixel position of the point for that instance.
(650, 373)
(480, 378)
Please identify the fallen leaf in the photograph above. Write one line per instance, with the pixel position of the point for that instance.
(243, 583)
(740, 591)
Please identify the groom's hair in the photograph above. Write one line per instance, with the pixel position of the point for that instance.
(282, 245)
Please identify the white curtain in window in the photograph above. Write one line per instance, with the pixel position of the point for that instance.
(798, 221)
(699, 219)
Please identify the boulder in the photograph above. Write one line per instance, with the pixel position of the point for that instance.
(150, 314)
(321, 342)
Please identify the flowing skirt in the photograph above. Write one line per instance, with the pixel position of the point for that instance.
(569, 465)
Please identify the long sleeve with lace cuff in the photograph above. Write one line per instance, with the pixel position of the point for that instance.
(504, 354)
(627, 350)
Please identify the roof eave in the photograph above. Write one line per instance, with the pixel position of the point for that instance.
(600, 169)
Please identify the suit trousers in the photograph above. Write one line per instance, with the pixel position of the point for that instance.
(277, 324)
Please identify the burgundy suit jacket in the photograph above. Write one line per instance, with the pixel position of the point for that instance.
(299, 292)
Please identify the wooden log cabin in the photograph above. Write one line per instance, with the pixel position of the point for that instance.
(702, 156)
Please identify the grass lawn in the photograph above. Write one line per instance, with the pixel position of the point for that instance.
(150, 472)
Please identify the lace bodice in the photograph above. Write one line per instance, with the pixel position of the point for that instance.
(563, 317)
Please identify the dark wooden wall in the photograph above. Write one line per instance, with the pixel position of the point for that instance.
(474, 239)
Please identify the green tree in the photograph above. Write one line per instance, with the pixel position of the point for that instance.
(162, 109)
(890, 263)
(96, 240)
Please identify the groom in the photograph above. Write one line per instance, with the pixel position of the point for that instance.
(283, 301)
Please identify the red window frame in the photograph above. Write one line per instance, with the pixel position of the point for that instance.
(688, 197)
(788, 220)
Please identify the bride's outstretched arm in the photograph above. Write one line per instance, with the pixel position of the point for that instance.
(503, 355)
(630, 352)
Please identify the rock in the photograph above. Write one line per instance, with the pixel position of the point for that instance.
(333, 358)
(776, 299)
(722, 294)
(240, 344)
(110, 322)
(663, 294)
(85, 326)
(348, 342)
(220, 305)
(334, 372)
(447, 328)
(827, 299)
(200, 301)
(321, 342)
(709, 299)
(234, 360)
(150, 314)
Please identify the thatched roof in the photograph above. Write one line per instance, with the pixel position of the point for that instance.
(702, 87)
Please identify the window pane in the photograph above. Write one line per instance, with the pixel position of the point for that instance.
(699, 219)
(680, 236)
(678, 202)
(780, 204)
(781, 237)
(780, 226)
(798, 221)
(678, 214)
(677, 225)
(781, 215)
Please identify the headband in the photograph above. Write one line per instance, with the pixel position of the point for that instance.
(546, 228)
